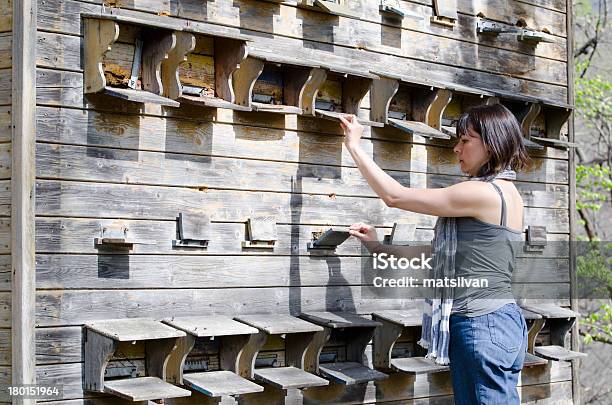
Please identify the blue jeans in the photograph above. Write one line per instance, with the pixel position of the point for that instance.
(486, 355)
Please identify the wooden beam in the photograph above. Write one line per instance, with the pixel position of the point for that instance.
(294, 85)
(229, 54)
(185, 43)
(575, 337)
(23, 193)
(354, 90)
(431, 108)
(155, 51)
(310, 89)
(381, 94)
(99, 35)
(528, 115)
(244, 78)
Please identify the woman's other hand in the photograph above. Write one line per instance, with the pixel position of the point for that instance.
(352, 129)
(364, 232)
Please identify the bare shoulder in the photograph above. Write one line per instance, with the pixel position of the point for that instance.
(479, 194)
(510, 191)
(474, 189)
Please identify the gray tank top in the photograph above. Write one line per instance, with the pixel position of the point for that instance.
(484, 252)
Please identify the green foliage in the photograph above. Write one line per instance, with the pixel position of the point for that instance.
(592, 97)
(595, 184)
(582, 8)
(595, 277)
(597, 325)
(594, 266)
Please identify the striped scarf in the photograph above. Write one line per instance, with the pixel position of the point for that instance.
(435, 333)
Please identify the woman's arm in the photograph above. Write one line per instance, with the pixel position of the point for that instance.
(459, 200)
(368, 236)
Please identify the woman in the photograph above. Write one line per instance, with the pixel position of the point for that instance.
(481, 332)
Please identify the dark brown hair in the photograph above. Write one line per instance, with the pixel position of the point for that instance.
(501, 135)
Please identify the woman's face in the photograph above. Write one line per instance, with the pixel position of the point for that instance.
(471, 152)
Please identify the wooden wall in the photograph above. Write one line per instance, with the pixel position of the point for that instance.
(97, 162)
(6, 27)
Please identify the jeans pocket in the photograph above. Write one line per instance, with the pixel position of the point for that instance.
(506, 329)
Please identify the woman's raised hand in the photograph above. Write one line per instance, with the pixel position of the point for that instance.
(352, 129)
(364, 232)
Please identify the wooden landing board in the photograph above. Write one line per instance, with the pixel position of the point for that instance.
(212, 102)
(551, 310)
(220, 383)
(213, 325)
(338, 319)
(450, 131)
(288, 377)
(530, 315)
(409, 79)
(417, 128)
(335, 116)
(140, 96)
(405, 318)
(555, 142)
(529, 144)
(350, 373)
(275, 108)
(144, 389)
(337, 9)
(276, 324)
(417, 365)
(531, 360)
(557, 353)
(128, 330)
(530, 99)
(344, 69)
(280, 58)
(460, 88)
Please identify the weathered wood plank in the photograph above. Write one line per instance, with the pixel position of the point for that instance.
(5, 309)
(6, 15)
(167, 169)
(5, 161)
(203, 138)
(73, 235)
(5, 86)
(74, 307)
(127, 330)
(288, 377)
(5, 124)
(5, 347)
(278, 324)
(70, 92)
(5, 248)
(6, 50)
(5, 198)
(533, 385)
(118, 271)
(298, 23)
(144, 388)
(152, 202)
(557, 5)
(5, 381)
(64, 52)
(196, 126)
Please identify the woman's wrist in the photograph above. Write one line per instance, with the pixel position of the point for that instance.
(352, 146)
(374, 246)
(354, 149)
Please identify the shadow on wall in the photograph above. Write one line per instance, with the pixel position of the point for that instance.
(339, 295)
